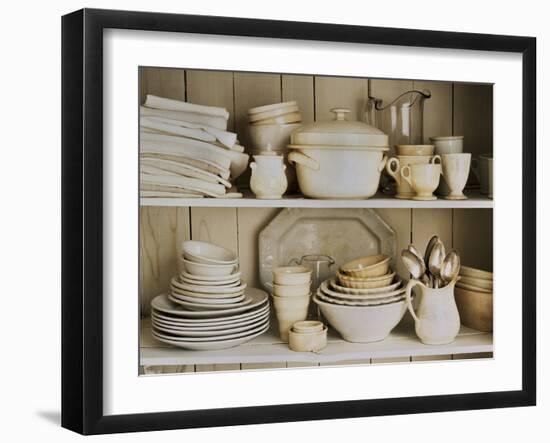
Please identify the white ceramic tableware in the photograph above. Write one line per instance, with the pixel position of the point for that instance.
(271, 137)
(207, 253)
(291, 290)
(268, 178)
(332, 284)
(291, 117)
(475, 308)
(193, 332)
(414, 150)
(289, 310)
(291, 275)
(215, 279)
(272, 107)
(468, 271)
(363, 324)
(456, 168)
(178, 335)
(481, 283)
(423, 179)
(307, 326)
(307, 342)
(266, 115)
(448, 144)
(346, 302)
(365, 283)
(367, 267)
(202, 269)
(396, 164)
(207, 289)
(224, 283)
(178, 323)
(210, 300)
(196, 306)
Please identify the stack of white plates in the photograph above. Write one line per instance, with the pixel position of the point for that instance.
(210, 328)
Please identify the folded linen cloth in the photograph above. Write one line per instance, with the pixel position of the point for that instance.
(191, 117)
(166, 167)
(148, 187)
(168, 104)
(200, 164)
(226, 138)
(171, 145)
(197, 134)
(168, 194)
(191, 184)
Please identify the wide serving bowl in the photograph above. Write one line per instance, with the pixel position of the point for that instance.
(366, 267)
(207, 253)
(363, 324)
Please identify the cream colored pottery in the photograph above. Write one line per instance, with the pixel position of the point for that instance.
(365, 283)
(414, 150)
(365, 267)
(436, 319)
(211, 280)
(361, 293)
(291, 290)
(290, 310)
(456, 168)
(394, 166)
(308, 326)
(208, 289)
(475, 308)
(291, 275)
(362, 324)
(266, 108)
(347, 302)
(293, 117)
(208, 253)
(258, 116)
(268, 179)
(448, 144)
(208, 270)
(481, 283)
(423, 179)
(468, 271)
(271, 137)
(307, 342)
(290, 170)
(473, 288)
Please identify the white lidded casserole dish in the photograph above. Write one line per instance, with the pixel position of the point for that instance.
(338, 159)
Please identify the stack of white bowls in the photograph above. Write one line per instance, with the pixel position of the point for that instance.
(291, 295)
(474, 298)
(209, 306)
(269, 129)
(365, 300)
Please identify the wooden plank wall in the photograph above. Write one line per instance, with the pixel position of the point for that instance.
(459, 109)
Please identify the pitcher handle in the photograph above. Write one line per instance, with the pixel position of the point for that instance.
(412, 283)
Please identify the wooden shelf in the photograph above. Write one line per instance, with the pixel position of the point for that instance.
(475, 200)
(268, 348)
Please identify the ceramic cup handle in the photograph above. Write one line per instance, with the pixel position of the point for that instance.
(434, 160)
(412, 283)
(406, 174)
(253, 166)
(392, 168)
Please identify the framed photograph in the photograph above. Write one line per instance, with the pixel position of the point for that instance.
(270, 221)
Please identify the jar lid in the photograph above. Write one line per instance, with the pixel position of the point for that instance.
(339, 132)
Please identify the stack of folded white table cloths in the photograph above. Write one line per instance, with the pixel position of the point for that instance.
(186, 150)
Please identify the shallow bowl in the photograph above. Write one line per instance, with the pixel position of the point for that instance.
(209, 270)
(366, 283)
(207, 253)
(370, 266)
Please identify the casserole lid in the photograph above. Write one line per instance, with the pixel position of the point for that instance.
(339, 132)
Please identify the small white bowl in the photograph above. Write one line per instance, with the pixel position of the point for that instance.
(307, 342)
(291, 290)
(370, 266)
(291, 275)
(366, 283)
(207, 253)
(208, 270)
(307, 326)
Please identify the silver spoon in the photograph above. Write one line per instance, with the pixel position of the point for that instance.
(416, 267)
(429, 248)
(437, 255)
(450, 267)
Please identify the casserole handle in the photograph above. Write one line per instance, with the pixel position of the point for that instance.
(304, 160)
(382, 164)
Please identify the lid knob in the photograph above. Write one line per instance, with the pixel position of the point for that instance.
(340, 113)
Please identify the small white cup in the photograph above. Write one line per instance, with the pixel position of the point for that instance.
(448, 144)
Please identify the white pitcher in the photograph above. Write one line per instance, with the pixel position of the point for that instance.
(436, 321)
(268, 179)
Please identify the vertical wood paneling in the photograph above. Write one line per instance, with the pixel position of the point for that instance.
(473, 237)
(438, 109)
(473, 117)
(212, 88)
(429, 222)
(250, 222)
(300, 88)
(340, 92)
(163, 82)
(400, 222)
(161, 232)
(216, 225)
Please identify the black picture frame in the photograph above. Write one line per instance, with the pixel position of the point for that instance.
(82, 218)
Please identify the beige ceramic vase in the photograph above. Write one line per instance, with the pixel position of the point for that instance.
(456, 168)
(268, 179)
(436, 319)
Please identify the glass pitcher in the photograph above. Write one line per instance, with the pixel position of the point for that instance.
(402, 118)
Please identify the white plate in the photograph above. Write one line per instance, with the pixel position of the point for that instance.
(224, 283)
(210, 301)
(336, 301)
(210, 345)
(194, 306)
(207, 289)
(178, 291)
(296, 232)
(212, 278)
(162, 303)
(332, 284)
(225, 334)
(209, 322)
(365, 297)
(209, 328)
